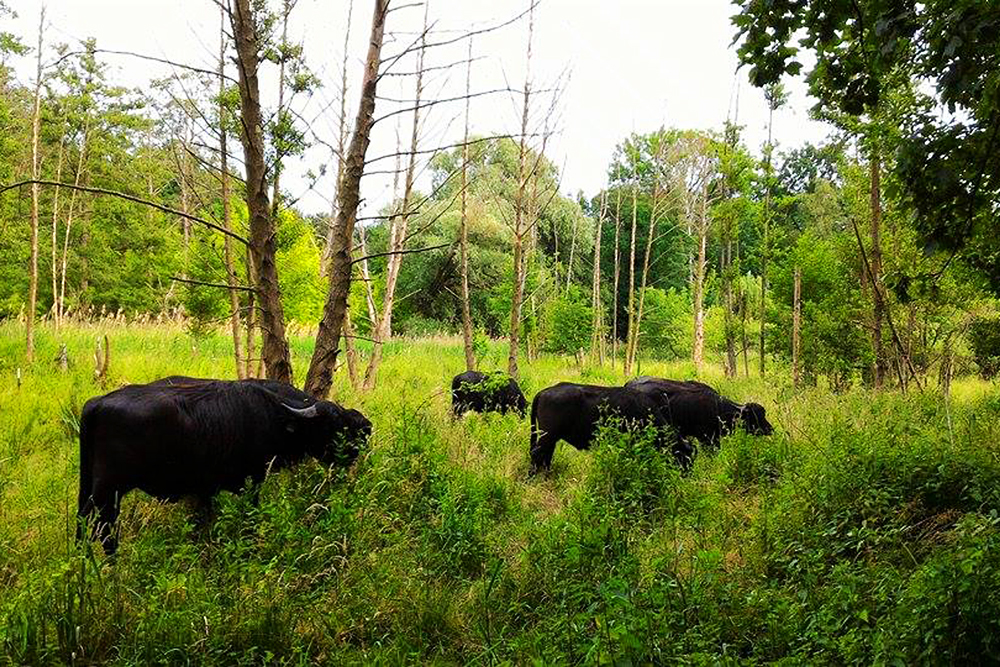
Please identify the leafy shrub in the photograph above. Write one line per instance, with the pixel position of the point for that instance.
(567, 323)
(984, 338)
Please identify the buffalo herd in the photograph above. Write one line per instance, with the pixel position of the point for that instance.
(191, 437)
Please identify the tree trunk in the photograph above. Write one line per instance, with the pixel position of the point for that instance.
(286, 9)
(470, 355)
(341, 145)
(36, 123)
(614, 307)
(251, 323)
(699, 282)
(69, 218)
(324, 357)
(519, 215)
(634, 350)
(796, 329)
(876, 277)
(275, 353)
(597, 338)
(55, 231)
(234, 296)
(727, 279)
(631, 283)
(397, 237)
(572, 252)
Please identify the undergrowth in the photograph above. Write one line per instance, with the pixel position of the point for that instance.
(866, 530)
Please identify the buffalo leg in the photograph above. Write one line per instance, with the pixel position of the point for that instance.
(106, 502)
(541, 452)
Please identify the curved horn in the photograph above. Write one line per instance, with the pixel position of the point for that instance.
(302, 412)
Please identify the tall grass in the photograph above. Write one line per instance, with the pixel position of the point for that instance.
(866, 530)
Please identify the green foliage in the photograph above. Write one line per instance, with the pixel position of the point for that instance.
(984, 338)
(666, 324)
(567, 323)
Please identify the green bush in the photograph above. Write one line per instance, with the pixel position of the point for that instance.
(984, 338)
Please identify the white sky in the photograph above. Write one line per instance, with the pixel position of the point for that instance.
(633, 65)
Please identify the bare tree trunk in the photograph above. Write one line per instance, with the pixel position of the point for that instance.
(614, 307)
(234, 297)
(324, 357)
(69, 218)
(341, 146)
(631, 283)
(699, 281)
(876, 277)
(398, 234)
(519, 214)
(572, 252)
(597, 338)
(55, 232)
(36, 173)
(274, 353)
(727, 277)
(286, 9)
(470, 355)
(634, 350)
(796, 328)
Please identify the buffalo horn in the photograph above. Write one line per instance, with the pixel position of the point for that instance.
(302, 412)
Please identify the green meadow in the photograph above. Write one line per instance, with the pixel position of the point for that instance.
(864, 531)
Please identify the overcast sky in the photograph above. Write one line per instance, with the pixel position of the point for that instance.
(632, 65)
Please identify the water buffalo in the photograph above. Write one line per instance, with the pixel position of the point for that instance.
(571, 412)
(490, 392)
(696, 410)
(189, 437)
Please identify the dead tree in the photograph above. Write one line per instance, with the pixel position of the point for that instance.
(876, 273)
(597, 339)
(631, 281)
(274, 353)
(341, 145)
(399, 223)
(470, 355)
(234, 297)
(614, 307)
(324, 357)
(36, 123)
(520, 206)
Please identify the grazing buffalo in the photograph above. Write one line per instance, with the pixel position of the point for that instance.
(180, 437)
(489, 392)
(571, 412)
(696, 410)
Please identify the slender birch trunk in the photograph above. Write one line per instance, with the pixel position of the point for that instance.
(69, 217)
(699, 281)
(397, 237)
(614, 307)
(341, 145)
(519, 214)
(470, 355)
(36, 173)
(234, 297)
(55, 231)
(597, 338)
(631, 282)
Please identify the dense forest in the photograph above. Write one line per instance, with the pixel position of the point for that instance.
(851, 285)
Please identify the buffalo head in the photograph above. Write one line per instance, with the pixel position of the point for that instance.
(335, 433)
(755, 419)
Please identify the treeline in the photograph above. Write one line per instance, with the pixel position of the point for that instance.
(697, 246)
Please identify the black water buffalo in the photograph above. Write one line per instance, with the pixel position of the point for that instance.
(486, 392)
(189, 437)
(571, 412)
(696, 410)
